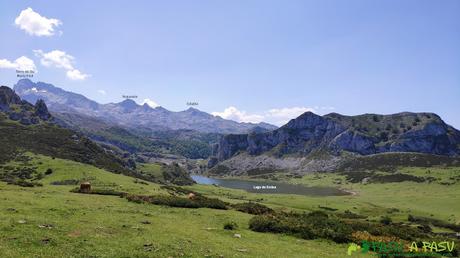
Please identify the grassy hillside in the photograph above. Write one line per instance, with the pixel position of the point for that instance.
(50, 221)
(54, 141)
(165, 174)
(385, 126)
(390, 161)
(436, 198)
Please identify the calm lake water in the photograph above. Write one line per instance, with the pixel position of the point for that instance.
(269, 186)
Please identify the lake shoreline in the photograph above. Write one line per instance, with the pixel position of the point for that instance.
(270, 187)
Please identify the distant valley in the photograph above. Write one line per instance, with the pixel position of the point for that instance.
(154, 133)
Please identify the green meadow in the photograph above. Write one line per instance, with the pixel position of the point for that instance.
(51, 221)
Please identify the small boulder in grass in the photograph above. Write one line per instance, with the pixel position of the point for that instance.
(148, 247)
(46, 241)
(237, 235)
(48, 226)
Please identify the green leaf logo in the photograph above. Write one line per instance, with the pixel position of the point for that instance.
(353, 247)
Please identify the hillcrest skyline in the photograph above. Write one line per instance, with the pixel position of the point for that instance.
(246, 61)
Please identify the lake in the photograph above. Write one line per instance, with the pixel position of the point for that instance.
(269, 187)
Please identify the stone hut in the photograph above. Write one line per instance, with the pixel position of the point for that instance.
(85, 187)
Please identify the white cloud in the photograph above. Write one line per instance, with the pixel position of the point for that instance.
(76, 75)
(6, 64)
(22, 63)
(233, 113)
(102, 92)
(326, 108)
(289, 112)
(150, 102)
(61, 59)
(277, 116)
(35, 24)
(55, 58)
(281, 116)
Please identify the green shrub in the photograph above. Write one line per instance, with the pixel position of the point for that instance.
(49, 171)
(176, 201)
(39, 176)
(397, 177)
(137, 181)
(434, 222)
(313, 225)
(350, 215)
(66, 182)
(23, 183)
(327, 208)
(385, 220)
(425, 228)
(252, 208)
(178, 190)
(230, 225)
(265, 223)
(396, 230)
(100, 192)
(356, 176)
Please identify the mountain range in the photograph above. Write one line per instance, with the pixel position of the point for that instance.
(28, 127)
(128, 113)
(25, 127)
(315, 143)
(309, 142)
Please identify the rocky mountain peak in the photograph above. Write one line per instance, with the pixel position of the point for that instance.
(128, 104)
(191, 109)
(41, 110)
(306, 120)
(362, 134)
(23, 84)
(7, 98)
(160, 108)
(20, 110)
(196, 113)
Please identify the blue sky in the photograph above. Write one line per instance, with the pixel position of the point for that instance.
(257, 60)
